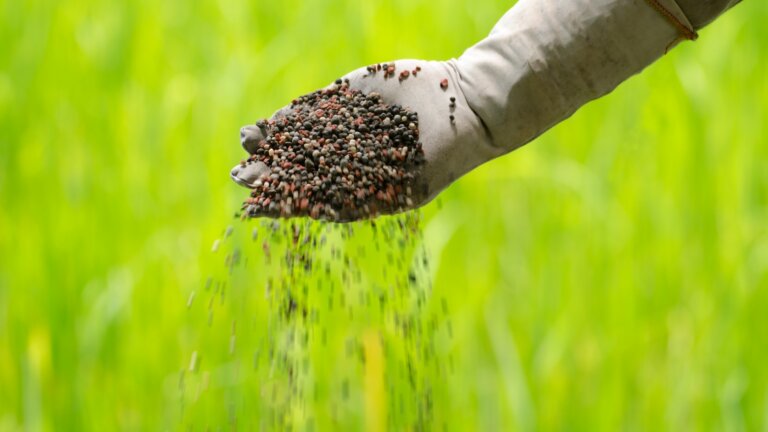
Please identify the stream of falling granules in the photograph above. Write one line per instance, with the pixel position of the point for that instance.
(312, 325)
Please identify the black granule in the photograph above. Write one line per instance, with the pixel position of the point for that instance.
(338, 154)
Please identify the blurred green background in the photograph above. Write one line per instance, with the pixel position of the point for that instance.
(612, 275)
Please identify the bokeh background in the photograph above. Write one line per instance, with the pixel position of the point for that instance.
(611, 275)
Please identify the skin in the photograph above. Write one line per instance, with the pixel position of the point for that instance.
(451, 147)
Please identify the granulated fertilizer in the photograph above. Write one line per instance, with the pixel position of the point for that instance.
(328, 326)
(337, 154)
(336, 320)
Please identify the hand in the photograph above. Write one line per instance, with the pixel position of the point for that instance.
(542, 61)
(452, 136)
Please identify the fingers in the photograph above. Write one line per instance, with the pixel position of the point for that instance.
(326, 162)
(249, 174)
(250, 136)
(256, 208)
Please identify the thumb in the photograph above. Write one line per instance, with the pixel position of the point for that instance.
(248, 173)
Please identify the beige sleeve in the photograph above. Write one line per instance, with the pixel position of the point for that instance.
(546, 58)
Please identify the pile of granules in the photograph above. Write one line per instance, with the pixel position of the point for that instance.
(337, 154)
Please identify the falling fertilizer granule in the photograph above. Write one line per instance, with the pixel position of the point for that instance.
(320, 326)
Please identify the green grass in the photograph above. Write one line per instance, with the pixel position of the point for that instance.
(611, 275)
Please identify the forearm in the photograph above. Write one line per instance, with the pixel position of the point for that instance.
(542, 61)
(546, 58)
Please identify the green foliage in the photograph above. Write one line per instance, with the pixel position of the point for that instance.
(612, 275)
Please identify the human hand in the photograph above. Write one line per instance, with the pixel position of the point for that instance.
(452, 137)
(542, 61)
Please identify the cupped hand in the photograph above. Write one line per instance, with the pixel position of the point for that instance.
(451, 135)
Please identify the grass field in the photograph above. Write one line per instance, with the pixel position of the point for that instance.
(613, 275)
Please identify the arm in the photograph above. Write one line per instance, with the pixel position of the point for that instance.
(546, 58)
(541, 62)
